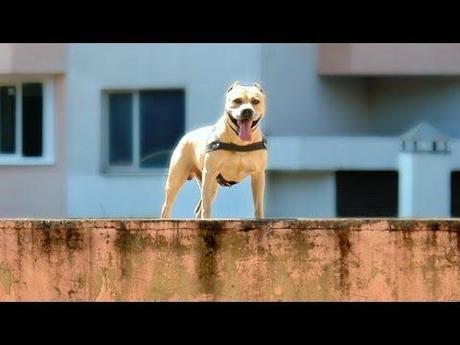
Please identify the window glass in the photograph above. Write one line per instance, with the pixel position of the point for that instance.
(7, 119)
(162, 123)
(120, 128)
(32, 120)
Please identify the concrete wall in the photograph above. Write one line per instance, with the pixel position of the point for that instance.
(300, 194)
(424, 185)
(271, 260)
(300, 102)
(398, 104)
(312, 153)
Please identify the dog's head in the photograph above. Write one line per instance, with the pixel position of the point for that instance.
(245, 105)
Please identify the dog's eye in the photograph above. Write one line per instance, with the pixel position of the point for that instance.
(255, 101)
(238, 101)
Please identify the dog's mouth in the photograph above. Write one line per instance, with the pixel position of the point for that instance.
(244, 129)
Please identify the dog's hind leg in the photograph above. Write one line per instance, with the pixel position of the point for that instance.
(173, 185)
(178, 174)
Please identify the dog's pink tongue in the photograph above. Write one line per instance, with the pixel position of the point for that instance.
(245, 130)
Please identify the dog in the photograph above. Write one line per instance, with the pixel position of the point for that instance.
(224, 154)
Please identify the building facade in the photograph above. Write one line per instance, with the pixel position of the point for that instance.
(354, 129)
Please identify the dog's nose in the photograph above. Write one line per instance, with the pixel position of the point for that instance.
(246, 114)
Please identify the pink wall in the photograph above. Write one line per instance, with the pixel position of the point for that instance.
(34, 58)
(389, 59)
(230, 260)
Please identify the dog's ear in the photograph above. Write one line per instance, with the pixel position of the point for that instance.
(236, 83)
(257, 85)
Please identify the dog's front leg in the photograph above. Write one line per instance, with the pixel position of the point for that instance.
(258, 189)
(209, 179)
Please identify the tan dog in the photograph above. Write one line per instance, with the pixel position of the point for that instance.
(224, 153)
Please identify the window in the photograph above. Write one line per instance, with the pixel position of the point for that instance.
(367, 193)
(142, 128)
(26, 130)
(7, 119)
(455, 194)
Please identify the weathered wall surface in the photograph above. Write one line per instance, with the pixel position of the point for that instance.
(229, 260)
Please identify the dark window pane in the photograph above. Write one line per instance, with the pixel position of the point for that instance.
(162, 121)
(367, 193)
(7, 119)
(455, 194)
(120, 129)
(32, 120)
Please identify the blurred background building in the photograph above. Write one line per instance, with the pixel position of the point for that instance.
(367, 130)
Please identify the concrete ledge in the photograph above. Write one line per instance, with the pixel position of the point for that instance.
(229, 260)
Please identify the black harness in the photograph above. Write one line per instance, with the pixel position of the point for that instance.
(218, 145)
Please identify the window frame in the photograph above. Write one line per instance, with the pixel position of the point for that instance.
(48, 156)
(134, 169)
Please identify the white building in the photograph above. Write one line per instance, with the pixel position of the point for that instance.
(86, 129)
